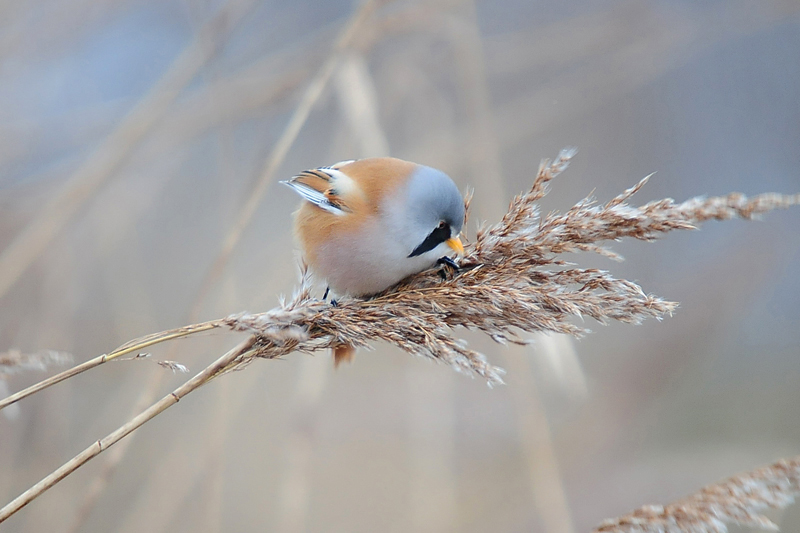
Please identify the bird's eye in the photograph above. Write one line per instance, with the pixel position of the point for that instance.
(442, 224)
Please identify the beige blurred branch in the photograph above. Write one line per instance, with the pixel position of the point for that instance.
(101, 165)
(358, 98)
(482, 157)
(313, 92)
(666, 41)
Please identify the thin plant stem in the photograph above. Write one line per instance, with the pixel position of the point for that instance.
(127, 348)
(103, 444)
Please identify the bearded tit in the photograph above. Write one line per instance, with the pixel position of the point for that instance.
(367, 224)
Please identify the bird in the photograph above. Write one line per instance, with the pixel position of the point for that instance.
(366, 224)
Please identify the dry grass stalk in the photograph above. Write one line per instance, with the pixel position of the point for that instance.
(103, 444)
(736, 500)
(511, 280)
(135, 345)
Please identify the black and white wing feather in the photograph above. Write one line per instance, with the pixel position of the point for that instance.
(319, 188)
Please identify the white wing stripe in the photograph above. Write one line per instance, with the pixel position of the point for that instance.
(314, 196)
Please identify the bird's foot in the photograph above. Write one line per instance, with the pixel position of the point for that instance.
(449, 262)
(448, 267)
(334, 301)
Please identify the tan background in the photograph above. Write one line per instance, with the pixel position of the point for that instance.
(159, 119)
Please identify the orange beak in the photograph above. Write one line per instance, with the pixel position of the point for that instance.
(455, 244)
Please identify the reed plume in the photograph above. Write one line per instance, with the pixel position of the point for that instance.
(14, 361)
(512, 279)
(736, 500)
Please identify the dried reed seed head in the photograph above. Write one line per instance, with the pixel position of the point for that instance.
(736, 500)
(174, 366)
(511, 282)
(14, 361)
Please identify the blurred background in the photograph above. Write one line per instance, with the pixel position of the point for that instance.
(140, 148)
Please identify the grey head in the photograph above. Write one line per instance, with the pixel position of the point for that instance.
(434, 211)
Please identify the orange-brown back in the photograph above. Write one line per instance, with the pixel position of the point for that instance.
(374, 178)
(377, 177)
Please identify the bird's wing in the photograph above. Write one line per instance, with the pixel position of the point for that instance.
(322, 187)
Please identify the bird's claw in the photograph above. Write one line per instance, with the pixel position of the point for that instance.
(447, 265)
(448, 262)
(334, 301)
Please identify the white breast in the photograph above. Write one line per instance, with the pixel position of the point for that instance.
(370, 262)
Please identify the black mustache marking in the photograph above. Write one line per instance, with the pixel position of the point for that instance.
(436, 237)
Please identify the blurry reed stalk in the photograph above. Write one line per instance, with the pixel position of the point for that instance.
(736, 500)
(482, 158)
(311, 95)
(115, 148)
(511, 280)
